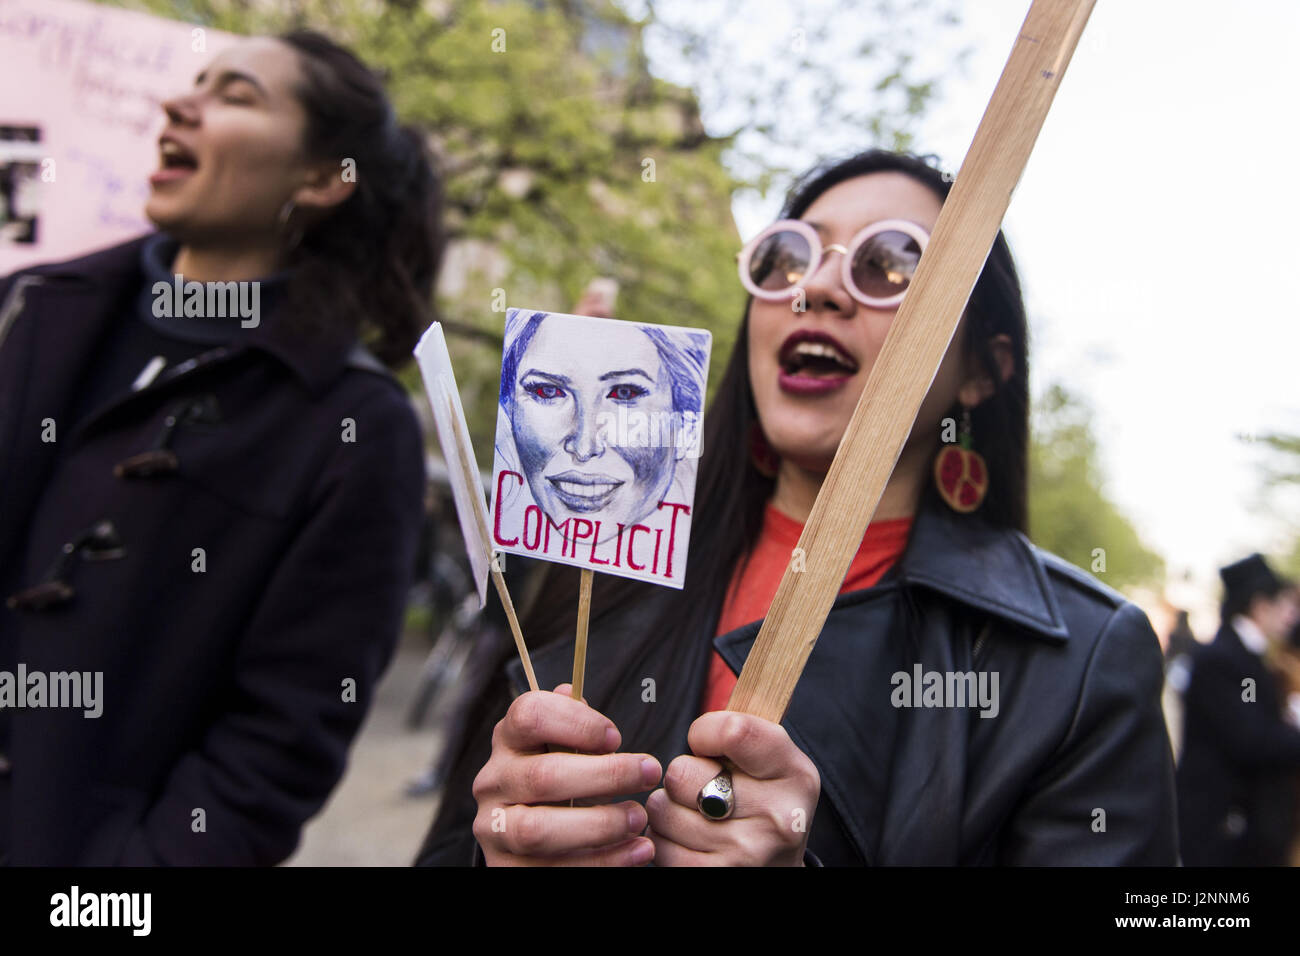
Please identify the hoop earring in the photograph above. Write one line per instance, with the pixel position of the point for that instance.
(960, 473)
(294, 236)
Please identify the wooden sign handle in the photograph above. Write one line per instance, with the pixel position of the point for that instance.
(580, 644)
(469, 474)
(910, 356)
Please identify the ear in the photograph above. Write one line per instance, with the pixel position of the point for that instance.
(979, 387)
(325, 186)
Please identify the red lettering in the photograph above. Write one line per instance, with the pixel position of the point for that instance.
(618, 545)
(631, 543)
(563, 528)
(591, 558)
(537, 538)
(496, 525)
(659, 533)
(578, 535)
(672, 531)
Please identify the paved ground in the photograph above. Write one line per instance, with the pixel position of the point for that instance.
(369, 821)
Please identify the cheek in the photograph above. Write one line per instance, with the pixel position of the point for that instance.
(768, 324)
(652, 462)
(537, 434)
(253, 155)
(650, 466)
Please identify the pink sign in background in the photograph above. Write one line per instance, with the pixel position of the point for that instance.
(90, 81)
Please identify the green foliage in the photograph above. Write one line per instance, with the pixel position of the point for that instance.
(1069, 513)
(563, 163)
(1283, 468)
(547, 146)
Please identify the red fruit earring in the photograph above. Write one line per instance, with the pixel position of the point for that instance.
(960, 472)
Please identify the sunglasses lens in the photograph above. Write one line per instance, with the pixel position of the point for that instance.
(883, 265)
(780, 261)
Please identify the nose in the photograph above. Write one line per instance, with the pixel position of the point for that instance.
(181, 110)
(585, 439)
(824, 290)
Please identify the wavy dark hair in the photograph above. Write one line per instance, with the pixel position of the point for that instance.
(731, 494)
(367, 269)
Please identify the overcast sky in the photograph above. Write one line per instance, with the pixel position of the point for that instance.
(1156, 233)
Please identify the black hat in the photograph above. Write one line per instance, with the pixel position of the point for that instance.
(1243, 579)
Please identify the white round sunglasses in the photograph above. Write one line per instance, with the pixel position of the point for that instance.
(877, 267)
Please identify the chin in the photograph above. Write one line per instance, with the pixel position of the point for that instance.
(816, 462)
(161, 217)
(805, 452)
(808, 444)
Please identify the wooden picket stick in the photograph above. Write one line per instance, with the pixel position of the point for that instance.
(580, 645)
(910, 357)
(474, 483)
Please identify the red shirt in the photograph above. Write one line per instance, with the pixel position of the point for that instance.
(881, 546)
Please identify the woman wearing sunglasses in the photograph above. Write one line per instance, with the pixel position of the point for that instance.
(971, 699)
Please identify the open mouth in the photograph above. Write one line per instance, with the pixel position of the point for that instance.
(584, 493)
(815, 355)
(814, 363)
(175, 161)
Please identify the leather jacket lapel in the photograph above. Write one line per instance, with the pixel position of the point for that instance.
(990, 569)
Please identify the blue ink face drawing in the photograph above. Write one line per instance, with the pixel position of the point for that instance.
(600, 423)
(599, 426)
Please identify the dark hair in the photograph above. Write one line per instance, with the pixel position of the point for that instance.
(731, 494)
(369, 267)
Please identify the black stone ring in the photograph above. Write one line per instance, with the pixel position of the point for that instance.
(717, 799)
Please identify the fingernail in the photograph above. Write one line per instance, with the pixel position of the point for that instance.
(642, 853)
(649, 770)
(636, 819)
(611, 739)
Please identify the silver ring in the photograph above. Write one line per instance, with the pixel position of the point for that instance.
(717, 799)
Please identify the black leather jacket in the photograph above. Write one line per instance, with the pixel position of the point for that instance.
(1071, 765)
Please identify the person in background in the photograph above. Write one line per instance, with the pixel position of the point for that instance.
(1178, 670)
(1241, 743)
(1182, 642)
(216, 510)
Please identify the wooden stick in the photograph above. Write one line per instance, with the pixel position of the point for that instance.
(580, 647)
(500, 581)
(910, 357)
(474, 483)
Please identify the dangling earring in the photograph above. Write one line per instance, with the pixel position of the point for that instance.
(761, 456)
(295, 235)
(960, 472)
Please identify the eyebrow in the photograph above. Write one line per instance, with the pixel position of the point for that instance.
(626, 371)
(562, 379)
(821, 229)
(230, 76)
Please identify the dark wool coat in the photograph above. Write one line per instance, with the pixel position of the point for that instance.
(227, 709)
(1236, 776)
